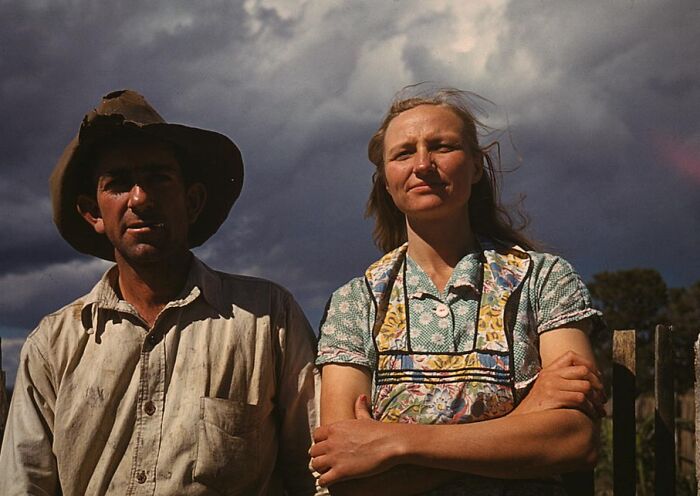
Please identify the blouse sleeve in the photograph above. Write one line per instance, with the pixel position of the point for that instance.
(562, 297)
(345, 327)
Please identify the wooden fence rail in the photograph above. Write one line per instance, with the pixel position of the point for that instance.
(629, 413)
(668, 428)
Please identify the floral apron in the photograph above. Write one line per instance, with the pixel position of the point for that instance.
(445, 387)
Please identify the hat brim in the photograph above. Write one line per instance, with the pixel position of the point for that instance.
(215, 160)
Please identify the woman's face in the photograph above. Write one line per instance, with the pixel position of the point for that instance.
(428, 168)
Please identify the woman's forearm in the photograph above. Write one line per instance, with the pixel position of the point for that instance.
(524, 446)
(515, 446)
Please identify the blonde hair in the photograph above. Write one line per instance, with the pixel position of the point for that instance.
(487, 215)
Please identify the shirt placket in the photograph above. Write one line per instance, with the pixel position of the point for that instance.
(464, 306)
(149, 413)
(439, 308)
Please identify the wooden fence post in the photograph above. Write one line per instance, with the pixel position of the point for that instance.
(664, 413)
(624, 390)
(4, 406)
(697, 413)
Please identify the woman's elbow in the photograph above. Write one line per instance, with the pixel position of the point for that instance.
(585, 442)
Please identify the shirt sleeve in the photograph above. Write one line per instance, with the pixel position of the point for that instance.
(345, 327)
(562, 297)
(298, 400)
(27, 463)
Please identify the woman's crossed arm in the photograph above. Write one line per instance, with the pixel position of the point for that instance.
(552, 431)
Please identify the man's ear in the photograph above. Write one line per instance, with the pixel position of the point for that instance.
(88, 209)
(196, 198)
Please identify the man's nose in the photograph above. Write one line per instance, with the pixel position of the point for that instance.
(138, 197)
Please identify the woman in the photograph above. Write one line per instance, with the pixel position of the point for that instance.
(473, 347)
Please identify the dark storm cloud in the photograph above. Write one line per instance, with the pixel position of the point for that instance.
(589, 92)
(593, 94)
(593, 143)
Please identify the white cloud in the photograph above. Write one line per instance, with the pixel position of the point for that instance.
(11, 348)
(65, 279)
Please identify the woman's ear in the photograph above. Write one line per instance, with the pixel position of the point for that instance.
(196, 198)
(88, 209)
(478, 167)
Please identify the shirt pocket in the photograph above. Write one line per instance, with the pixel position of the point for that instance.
(227, 446)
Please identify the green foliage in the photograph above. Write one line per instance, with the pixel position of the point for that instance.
(685, 486)
(683, 313)
(630, 299)
(639, 299)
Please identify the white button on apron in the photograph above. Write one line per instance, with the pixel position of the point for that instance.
(441, 310)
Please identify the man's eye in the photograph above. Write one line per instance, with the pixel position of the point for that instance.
(160, 177)
(402, 155)
(115, 184)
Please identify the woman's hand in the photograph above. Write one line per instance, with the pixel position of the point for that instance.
(350, 449)
(570, 381)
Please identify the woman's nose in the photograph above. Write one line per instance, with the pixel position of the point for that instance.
(424, 162)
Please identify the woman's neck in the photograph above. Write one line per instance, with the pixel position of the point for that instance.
(438, 246)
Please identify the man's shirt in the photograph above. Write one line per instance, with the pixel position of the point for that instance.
(216, 398)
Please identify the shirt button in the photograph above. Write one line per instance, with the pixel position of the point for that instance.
(141, 477)
(441, 310)
(149, 408)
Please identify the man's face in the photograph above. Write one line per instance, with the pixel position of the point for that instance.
(143, 205)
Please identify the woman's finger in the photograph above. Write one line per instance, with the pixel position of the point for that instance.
(320, 464)
(362, 408)
(579, 401)
(321, 434)
(571, 358)
(330, 477)
(317, 449)
(582, 373)
(576, 385)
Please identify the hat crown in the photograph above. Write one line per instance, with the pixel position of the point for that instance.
(129, 104)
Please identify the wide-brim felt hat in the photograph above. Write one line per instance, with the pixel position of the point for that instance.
(213, 159)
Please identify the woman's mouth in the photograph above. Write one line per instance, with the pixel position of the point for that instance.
(426, 186)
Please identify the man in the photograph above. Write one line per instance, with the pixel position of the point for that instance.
(168, 377)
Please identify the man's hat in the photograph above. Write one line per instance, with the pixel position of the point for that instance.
(214, 160)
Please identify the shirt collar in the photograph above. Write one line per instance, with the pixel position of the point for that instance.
(466, 275)
(201, 280)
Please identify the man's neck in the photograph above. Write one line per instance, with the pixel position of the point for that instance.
(150, 287)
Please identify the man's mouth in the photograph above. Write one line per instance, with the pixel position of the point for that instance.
(145, 226)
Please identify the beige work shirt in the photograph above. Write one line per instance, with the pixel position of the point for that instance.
(216, 398)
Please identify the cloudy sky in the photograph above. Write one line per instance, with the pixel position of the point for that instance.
(597, 103)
